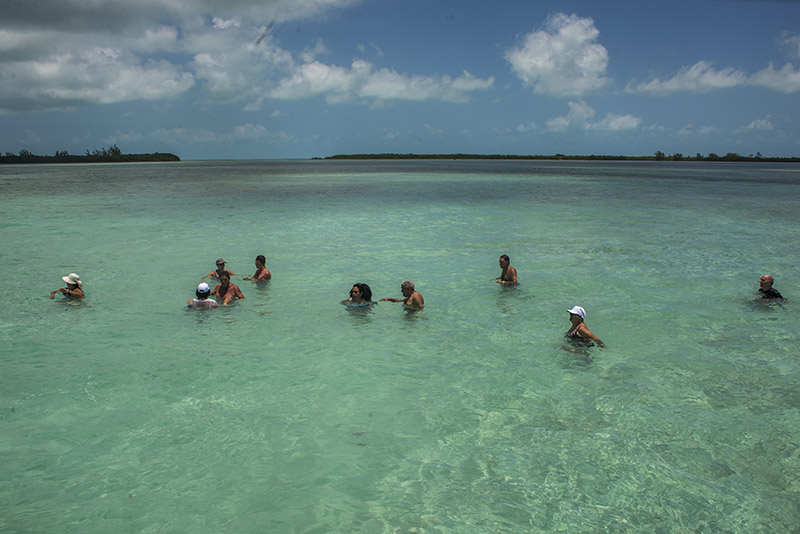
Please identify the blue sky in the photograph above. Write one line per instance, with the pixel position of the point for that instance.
(214, 79)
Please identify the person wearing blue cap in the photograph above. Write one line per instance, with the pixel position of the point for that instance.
(202, 300)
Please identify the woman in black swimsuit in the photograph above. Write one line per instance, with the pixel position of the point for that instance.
(74, 289)
(579, 334)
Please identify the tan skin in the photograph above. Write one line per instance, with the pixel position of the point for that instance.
(412, 299)
(579, 326)
(356, 297)
(72, 290)
(227, 291)
(766, 282)
(220, 269)
(509, 274)
(262, 274)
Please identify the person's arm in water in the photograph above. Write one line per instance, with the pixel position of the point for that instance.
(76, 292)
(585, 332)
(260, 276)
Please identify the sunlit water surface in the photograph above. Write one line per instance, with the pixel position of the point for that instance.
(288, 412)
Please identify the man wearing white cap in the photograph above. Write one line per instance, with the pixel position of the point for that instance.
(202, 300)
(579, 334)
(74, 289)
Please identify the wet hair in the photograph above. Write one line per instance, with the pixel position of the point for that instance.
(505, 257)
(366, 292)
(262, 259)
(408, 284)
(224, 274)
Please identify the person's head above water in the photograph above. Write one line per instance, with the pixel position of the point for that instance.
(407, 286)
(261, 260)
(361, 291)
(203, 290)
(766, 281)
(224, 278)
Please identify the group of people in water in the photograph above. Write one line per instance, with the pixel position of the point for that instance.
(226, 292)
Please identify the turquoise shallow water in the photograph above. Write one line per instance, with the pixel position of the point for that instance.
(288, 412)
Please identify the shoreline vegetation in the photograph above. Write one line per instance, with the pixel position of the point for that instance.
(658, 156)
(111, 154)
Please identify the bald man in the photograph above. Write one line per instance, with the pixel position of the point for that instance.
(767, 291)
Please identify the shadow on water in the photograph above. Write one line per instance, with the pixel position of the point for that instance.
(361, 314)
(261, 290)
(577, 356)
(412, 316)
(509, 296)
(261, 287)
(201, 315)
(764, 305)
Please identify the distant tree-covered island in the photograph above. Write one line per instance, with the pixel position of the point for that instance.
(112, 154)
(658, 156)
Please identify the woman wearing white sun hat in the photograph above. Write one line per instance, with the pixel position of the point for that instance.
(74, 287)
(579, 334)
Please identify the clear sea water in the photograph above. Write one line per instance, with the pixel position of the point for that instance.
(290, 413)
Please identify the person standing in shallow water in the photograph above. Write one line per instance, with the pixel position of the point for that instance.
(360, 295)
(74, 289)
(412, 299)
(220, 269)
(262, 274)
(579, 334)
(766, 291)
(508, 274)
(202, 300)
(225, 291)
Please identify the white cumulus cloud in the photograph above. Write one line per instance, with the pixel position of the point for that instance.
(563, 59)
(702, 77)
(785, 80)
(763, 125)
(580, 115)
(363, 81)
(57, 54)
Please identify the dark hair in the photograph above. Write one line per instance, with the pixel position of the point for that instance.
(202, 294)
(366, 292)
(262, 259)
(224, 273)
(505, 257)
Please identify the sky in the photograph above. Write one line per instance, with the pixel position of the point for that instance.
(253, 79)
